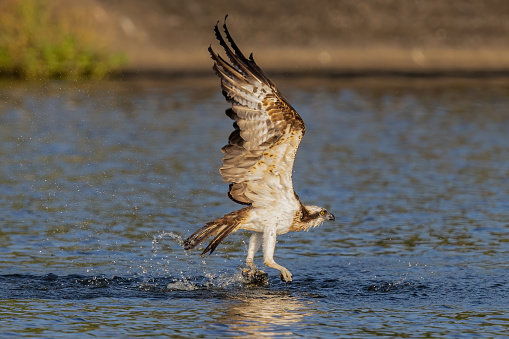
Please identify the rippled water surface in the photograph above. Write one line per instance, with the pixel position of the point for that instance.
(99, 184)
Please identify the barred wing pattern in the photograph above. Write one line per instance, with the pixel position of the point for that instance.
(260, 153)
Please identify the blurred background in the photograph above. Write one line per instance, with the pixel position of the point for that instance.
(155, 37)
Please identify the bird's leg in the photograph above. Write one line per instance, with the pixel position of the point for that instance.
(254, 244)
(251, 274)
(269, 245)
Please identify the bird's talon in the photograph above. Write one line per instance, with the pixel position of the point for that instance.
(285, 276)
(257, 277)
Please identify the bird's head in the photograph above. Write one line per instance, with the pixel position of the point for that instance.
(314, 215)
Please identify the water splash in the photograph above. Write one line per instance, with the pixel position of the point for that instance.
(158, 238)
(182, 284)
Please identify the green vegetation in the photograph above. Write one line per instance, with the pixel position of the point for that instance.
(38, 41)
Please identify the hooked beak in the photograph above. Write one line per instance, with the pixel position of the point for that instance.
(331, 217)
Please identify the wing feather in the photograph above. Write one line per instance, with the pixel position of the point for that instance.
(260, 153)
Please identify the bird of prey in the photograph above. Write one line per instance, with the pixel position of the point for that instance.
(258, 161)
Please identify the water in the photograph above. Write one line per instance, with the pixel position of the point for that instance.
(99, 184)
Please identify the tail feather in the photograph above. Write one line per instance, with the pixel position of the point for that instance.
(219, 238)
(219, 228)
(197, 237)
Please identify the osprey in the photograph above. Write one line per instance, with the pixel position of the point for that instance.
(258, 161)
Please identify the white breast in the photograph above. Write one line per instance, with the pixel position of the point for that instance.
(277, 218)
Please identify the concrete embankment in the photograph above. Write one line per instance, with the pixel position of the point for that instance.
(313, 37)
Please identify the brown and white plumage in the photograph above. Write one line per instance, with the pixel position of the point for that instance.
(258, 160)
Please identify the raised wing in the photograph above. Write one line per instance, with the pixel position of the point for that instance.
(261, 150)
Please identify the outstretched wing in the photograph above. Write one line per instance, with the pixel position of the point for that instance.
(260, 153)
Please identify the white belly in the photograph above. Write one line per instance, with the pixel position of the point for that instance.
(261, 220)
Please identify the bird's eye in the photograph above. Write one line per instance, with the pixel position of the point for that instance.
(322, 212)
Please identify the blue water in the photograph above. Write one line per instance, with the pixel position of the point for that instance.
(101, 182)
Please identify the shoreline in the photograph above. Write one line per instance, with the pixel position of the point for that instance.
(321, 38)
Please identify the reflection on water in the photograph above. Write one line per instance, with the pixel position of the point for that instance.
(265, 315)
(99, 183)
